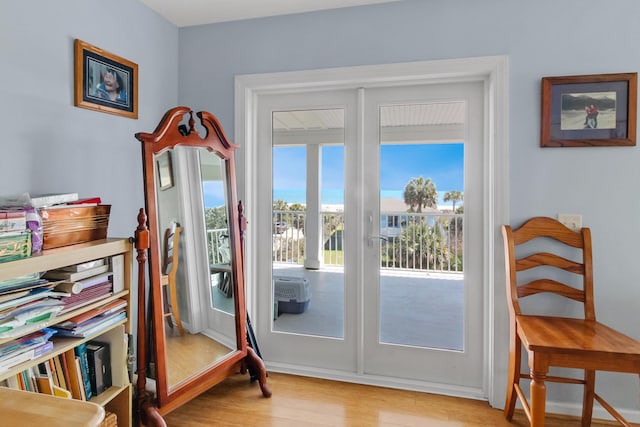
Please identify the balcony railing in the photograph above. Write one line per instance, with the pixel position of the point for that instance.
(218, 242)
(410, 241)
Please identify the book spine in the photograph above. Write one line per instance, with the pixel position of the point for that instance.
(22, 384)
(106, 323)
(44, 348)
(80, 379)
(12, 382)
(117, 268)
(62, 380)
(31, 379)
(81, 352)
(69, 363)
(54, 372)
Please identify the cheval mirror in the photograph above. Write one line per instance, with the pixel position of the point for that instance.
(197, 315)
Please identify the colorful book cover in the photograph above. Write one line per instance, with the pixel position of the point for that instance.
(81, 352)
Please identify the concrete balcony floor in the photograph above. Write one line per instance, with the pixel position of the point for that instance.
(416, 309)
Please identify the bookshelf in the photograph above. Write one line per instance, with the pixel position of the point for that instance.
(117, 398)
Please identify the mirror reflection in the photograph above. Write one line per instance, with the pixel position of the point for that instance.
(198, 302)
(217, 228)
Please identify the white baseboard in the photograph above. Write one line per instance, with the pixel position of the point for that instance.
(376, 380)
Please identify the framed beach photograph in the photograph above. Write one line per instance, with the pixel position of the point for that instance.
(104, 81)
(589, 110)
(165, 170)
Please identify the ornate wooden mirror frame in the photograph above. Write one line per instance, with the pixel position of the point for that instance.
(178, 129)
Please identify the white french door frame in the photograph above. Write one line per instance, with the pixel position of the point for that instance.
(493, 71)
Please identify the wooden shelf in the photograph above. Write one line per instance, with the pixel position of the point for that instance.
(66, 255)
(117, 398)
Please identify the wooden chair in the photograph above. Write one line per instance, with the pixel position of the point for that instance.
(558, 341)
(168, 279)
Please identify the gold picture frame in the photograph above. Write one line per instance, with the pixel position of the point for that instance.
(105, 82)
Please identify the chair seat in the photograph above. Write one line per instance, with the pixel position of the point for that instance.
(605, 348)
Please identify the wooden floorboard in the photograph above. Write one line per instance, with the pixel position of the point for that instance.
(299, 401)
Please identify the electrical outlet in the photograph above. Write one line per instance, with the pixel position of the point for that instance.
(573, 221)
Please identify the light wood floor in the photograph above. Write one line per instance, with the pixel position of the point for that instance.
(312, 402)
(189, 354)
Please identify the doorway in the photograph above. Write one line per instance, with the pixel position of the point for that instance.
(357, 351)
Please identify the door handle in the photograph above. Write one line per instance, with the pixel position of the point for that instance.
(370, 237)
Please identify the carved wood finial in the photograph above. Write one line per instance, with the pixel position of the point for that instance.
(192, 122)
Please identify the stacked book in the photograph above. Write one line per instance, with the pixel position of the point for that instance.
(27, 304)
(93, 321)
(26, 348)
(82, 284)
(15, 238)
(30, 224)
(79, 373)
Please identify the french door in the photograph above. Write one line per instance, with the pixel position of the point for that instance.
(355, 279)
(423, 301)
(290, 150)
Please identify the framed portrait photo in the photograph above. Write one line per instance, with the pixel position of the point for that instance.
(165, 170)
(589, 110)
(104, 81)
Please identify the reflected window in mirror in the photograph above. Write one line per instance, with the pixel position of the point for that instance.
(217, 229)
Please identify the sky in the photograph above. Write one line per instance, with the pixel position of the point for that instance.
(442, 163)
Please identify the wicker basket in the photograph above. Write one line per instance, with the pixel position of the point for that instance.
(69, 225)
(110, 420)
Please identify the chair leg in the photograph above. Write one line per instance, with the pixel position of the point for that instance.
(538, 398)
(173, 295)
(166, 308)
(589, 393)
(515, 354)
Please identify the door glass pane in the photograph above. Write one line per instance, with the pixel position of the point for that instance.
(308, 222)
(421, 205)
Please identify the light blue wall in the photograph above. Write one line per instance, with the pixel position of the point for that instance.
(541, 38)
(47, 144)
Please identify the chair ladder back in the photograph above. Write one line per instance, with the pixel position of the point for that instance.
(541, 227)
(169, 272)
(171, 253)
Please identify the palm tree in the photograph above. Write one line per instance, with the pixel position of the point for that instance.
(280, 205)
(419, 193)
(453, 196)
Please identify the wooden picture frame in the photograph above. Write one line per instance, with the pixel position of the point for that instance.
(165, 170)
(589, 110)
(104, 81)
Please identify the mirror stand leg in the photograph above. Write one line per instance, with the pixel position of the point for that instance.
(258, 366)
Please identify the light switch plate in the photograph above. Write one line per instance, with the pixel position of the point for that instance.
(573, 221)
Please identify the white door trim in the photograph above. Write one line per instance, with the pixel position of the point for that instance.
(493, 71)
